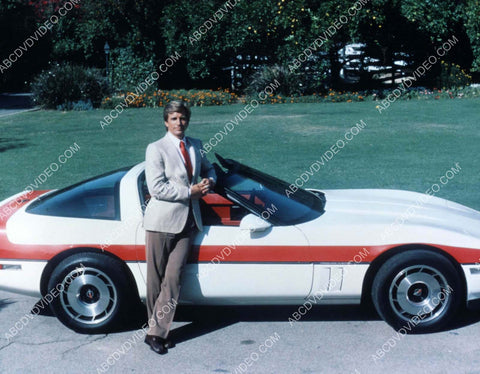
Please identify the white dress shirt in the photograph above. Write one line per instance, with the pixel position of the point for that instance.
(188, 147)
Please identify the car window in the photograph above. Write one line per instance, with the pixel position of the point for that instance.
(97, 198)
(271, 203)
(267, 196)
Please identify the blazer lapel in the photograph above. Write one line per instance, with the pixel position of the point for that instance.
(175, 156)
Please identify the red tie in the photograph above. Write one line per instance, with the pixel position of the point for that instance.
(188, 162)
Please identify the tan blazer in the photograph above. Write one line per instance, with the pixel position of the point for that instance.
(168, 185)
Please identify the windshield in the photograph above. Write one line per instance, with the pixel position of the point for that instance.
(267, 196)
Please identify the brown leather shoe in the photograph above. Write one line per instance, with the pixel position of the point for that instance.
(157, 344)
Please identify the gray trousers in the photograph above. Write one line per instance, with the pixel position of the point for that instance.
(166, 257)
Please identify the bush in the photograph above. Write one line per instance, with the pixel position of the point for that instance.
(290, 83)
(69, 87)
(128, 70)
(77, 105)
(161, 98)
(452, 75)
(224, 97)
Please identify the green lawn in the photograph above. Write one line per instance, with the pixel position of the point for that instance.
(409, 146)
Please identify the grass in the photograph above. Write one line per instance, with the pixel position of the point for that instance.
(409, 146)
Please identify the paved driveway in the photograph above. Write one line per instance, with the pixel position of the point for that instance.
(238, 340)
(15, 103)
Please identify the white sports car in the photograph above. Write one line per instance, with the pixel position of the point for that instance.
(82, 249)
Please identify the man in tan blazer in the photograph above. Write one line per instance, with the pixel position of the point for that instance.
(172, 167)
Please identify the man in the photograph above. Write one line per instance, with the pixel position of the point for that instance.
(172, 167)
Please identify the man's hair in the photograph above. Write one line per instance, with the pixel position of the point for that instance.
(176, 106)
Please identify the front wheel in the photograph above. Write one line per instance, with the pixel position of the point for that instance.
(417, 291)
(92, 292)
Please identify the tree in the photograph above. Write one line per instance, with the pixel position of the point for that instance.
(208, 36)
(472, 26)
(132, 29)
(20, 60)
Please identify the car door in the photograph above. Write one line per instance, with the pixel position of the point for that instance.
(233, 265)
(250, 251)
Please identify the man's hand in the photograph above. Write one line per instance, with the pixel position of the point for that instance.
(211, 182)
(200, 189)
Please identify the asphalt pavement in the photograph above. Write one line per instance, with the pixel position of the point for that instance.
(242, 340)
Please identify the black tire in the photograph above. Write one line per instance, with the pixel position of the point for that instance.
(417, 291)
(93, 292)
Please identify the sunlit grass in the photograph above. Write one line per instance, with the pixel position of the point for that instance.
(409, 146)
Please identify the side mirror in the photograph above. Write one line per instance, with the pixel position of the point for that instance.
(253, 223)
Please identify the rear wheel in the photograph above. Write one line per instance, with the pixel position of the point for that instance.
(92, 292)
(418, 290)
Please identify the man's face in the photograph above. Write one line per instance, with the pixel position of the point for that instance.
(177, 124)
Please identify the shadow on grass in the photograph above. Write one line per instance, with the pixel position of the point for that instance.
(8, 144)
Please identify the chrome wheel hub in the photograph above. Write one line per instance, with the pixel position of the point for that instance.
(420, 291)
(88, 295)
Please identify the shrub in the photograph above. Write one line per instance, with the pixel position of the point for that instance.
(128, 70)
(290, 83)
(161, 98)
(224, 97)
(452, 75)
(77, 105)
(69, 87)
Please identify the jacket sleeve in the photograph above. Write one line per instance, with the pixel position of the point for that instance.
(207, 170)
(159, 186)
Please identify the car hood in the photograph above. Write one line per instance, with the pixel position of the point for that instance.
(394, 216)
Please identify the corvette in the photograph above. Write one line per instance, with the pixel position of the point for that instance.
(82, 249)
